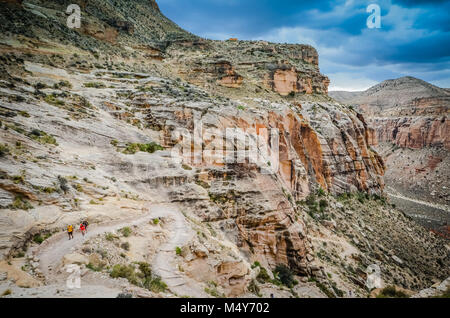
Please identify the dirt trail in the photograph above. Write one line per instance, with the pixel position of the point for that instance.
(164, 263)
(391, 192)
(53, 250)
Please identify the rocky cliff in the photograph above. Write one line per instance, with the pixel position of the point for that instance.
(97, 123)
(410, 118)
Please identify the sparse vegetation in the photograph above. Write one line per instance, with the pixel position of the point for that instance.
(94, 85)
(132, 148)
(142, 278)
(42, 137)
(53, 100)
(110, 237)
(39, 238)
(178, 250)
(4, 150)
(20, 203)
(126, 231)
(391, 292)
(285, 275)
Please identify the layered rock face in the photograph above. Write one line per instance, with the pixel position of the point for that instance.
(102, 125)
(407, 112)
(412, 114)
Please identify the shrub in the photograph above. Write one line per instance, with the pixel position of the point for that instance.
(126, 231)
(42, 137)
(178, 250)
(254, 288)
(285, 275)
(157, 285)
(20, 203)
(132, 148)
(323, 204)
(4, 150)
(391, 292)
(124, 271)
(263, 276)
(94, 268)
(94, 85)
(186, 167)
(110, 237)
(156, 221)
(321, 192)
(63, 184)
(52, 100)
(38, 238)
(125, 246)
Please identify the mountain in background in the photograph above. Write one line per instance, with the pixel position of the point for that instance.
(411, 122)
(92, 123)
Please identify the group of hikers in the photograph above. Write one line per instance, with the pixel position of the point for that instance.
(83, 229)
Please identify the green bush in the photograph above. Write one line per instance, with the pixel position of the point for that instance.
(94, 268)
(52, 100)
(39, 238)
(323, 204)
(178, 251)
(94, 85)
(285, 275)
(254, 288)
(42, 137)
(20, 203)
(126, 231)
(156, 221)
(132, 148)
(391, 292)
(4, 150)
(263, 276)
(321, 192)
(110, 237)
(124, 271)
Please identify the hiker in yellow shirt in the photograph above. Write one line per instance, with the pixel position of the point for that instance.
(70, 231)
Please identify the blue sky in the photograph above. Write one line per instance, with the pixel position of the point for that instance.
(414, 38)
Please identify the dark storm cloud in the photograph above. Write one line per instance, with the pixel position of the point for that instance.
(414, 38)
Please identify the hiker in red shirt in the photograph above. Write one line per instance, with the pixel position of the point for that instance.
(82, 229)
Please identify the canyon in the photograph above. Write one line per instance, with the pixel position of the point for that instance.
(90, 119)
(410, 119)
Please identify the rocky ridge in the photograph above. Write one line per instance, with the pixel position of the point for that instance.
(88, 127)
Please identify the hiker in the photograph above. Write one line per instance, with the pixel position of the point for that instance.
(70, 231)
(82, 229)
(85, 223)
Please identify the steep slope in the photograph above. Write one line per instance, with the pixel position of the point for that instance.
(411, 121)
(97, 124)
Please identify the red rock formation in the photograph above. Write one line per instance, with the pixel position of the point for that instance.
(414, 132)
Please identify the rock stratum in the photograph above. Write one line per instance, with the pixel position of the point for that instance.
(90, 122)
(410, 119)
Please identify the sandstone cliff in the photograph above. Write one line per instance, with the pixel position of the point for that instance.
(90, 121)
(410, 118)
